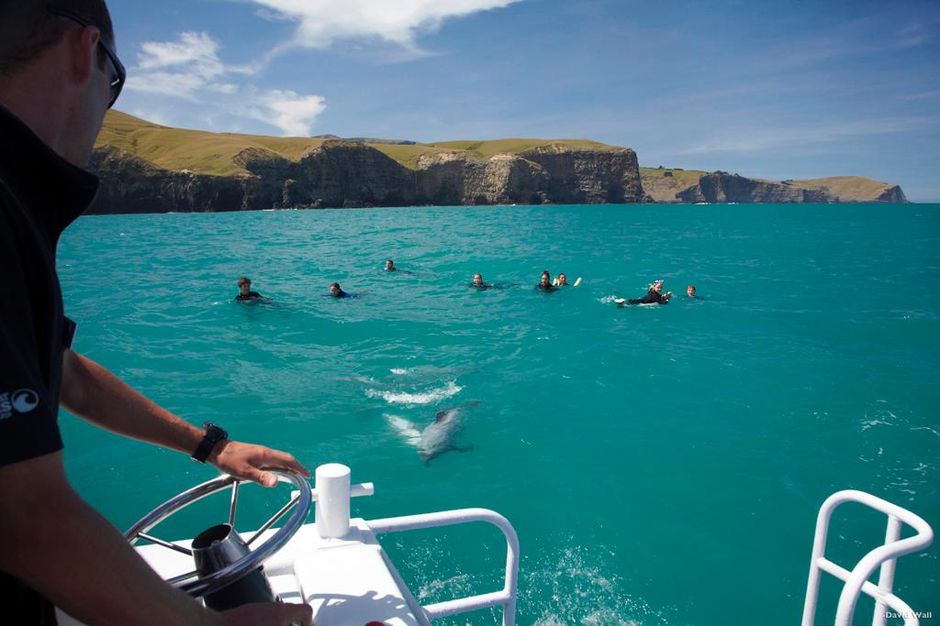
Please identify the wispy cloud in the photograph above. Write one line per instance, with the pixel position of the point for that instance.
(399, 22)
(760, 139)
(190, 68)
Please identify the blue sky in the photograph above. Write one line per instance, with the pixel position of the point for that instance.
(766, 89)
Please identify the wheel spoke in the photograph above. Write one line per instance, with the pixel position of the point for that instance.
(284, 509)
(182, 577)
(166, 544)
(234, 504)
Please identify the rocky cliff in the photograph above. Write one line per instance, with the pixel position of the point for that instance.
(723, 187)
(340, 173)
(676, 185)
(145, 167)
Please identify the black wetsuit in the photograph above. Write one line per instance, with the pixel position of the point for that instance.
(546, 288)
(481, 286)
(251, 295)
(40, 195)
(651, 297)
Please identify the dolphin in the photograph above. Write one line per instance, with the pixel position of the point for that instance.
(437, 437)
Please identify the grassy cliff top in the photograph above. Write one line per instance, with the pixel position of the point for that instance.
(214, 153)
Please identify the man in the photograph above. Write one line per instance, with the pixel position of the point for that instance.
(390, 266)
(245, 294)
(337, 292)
(561, 280)
(58, 75)
(690, 291)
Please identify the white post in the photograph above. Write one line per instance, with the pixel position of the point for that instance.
(332, 508)
(886, 580)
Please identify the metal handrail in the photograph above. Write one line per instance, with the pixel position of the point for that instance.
(885, 557)
(505, 598)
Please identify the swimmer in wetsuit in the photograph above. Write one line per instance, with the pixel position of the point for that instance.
(245, 294)
(655, 295)
(478, 282)
(562, 280)
(337, 292)
(545, 284)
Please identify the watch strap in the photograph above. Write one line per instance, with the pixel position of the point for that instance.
(210, 440)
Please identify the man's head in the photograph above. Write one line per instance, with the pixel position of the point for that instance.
(389, 265)
(545, 280)
(562, 279)
(478, 279)
(244, 285)
(59, 72)
(690, 291)
(335, 289)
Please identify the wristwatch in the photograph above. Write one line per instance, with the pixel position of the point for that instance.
(214, 435)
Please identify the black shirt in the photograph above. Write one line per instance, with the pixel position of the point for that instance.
(651, 297)
(40, 195)
(251, 295)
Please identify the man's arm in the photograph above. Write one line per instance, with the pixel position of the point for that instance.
(95, 394)
(56, 543)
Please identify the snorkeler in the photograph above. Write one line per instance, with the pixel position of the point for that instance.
(655, 295)
(245, 293)
(478, 282)
(390, 266)
(545, 283)
(337, 292)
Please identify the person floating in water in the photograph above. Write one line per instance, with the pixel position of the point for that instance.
(245, 294)
(478, 282)
(655, 295)
(545, 284)
(337, 292)
(690, 291)
(390, 266)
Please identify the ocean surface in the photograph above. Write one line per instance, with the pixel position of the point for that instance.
(662, 465)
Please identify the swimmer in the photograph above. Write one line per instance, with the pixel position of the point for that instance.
(337, 292)
(690, 291)
(562, 281)
(390, 266)
(245, 293)
(655, 295)
(545, 284)
(478, 282)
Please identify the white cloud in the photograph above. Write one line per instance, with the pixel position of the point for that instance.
(292, 113)
(189, 68)
(324, 22)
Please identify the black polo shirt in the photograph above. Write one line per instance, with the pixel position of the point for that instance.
(40, 195)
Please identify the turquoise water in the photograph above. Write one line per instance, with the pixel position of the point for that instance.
(662, 465)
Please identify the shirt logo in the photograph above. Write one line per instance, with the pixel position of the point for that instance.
(19, 401)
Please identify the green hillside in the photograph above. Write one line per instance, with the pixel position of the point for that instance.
(214, 153)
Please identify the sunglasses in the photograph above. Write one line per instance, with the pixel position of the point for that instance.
(120, 73)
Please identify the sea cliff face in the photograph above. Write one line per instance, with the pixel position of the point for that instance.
(342, 173)
(722, 187)
(145, 168)
(719, 187)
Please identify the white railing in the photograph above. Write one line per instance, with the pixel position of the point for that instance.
(505, 597)
(885, 557)
(332, 493)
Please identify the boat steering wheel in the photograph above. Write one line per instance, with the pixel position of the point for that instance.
(190, 582)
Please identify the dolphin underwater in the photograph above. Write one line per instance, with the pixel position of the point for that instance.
(437, 437)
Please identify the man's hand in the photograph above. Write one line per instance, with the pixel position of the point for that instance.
(248, 461)
(269, 614)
